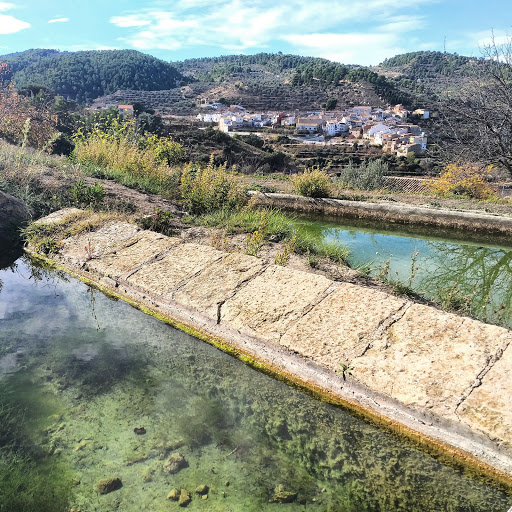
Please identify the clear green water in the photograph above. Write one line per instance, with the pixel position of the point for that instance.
(79, 372)
(480, 272)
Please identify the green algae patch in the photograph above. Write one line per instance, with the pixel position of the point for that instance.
(32, 477)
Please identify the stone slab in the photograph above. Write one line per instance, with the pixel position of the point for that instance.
(181, 264)
(61, 216)
(217, 283)
(430, 359)
(488, 408)
(342, 325)
(105, 240)
(273, 302)
(144, 247)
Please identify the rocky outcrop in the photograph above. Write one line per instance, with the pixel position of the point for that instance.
(438, 376)
(12, 213)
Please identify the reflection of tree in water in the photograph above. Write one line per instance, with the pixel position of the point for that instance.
(482, 273)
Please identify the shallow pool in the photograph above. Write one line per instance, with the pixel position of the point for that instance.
(91, 388)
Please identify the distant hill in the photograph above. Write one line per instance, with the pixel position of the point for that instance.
(84, 76)
(264, 81)
(289, 82)
(427, 64)
(430, 73)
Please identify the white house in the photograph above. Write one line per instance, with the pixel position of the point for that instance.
(309, 124)
(335, 127)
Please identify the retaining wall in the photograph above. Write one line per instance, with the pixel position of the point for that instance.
(491, 225)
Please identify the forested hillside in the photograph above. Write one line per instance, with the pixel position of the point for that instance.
(84, 76)
(426, 64)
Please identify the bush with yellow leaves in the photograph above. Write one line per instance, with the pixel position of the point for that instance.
(313, 182)
(463, 180)
(207, 188)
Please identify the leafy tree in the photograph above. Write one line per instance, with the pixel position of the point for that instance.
(331, 104)
(149, 123)
(84, 76)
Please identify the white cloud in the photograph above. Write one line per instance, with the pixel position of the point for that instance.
(351, 48)
(489, 37)
(11, 25)
(129, 21)
(238, 25)
(59, 20)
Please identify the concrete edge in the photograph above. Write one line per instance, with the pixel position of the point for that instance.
(452, 444)
(497, 225)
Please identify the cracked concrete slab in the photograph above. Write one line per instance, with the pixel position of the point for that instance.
(133, 253)
(183, 262)
(274, 301)
(105, 240)
(429, 359)
(488, 408)
(342, 326)
(217, 283)
(442, 375)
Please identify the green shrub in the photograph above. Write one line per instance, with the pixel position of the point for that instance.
(312, 183)
(161, 221)
(84, 195)
(208, 188)
(367, 176)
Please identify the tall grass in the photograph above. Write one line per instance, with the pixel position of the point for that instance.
(126, 163)
(208, 188)
(276, 227)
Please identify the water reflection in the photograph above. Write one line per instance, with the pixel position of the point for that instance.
(478, 277)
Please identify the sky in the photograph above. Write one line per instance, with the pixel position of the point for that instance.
(349, 31)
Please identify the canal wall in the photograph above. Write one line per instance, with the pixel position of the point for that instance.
(491, 225)
(438, 378)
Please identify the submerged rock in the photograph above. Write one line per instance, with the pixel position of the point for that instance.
(283, 496)
(106, 485)
(185, 498)
(174, 495)
(202, 489)
(175, 462)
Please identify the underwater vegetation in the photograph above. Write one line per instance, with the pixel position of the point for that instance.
(31, 480)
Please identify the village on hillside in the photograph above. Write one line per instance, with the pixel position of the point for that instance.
(391, 128)
(385, 128)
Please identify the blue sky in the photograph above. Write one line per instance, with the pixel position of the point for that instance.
(349, 31)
